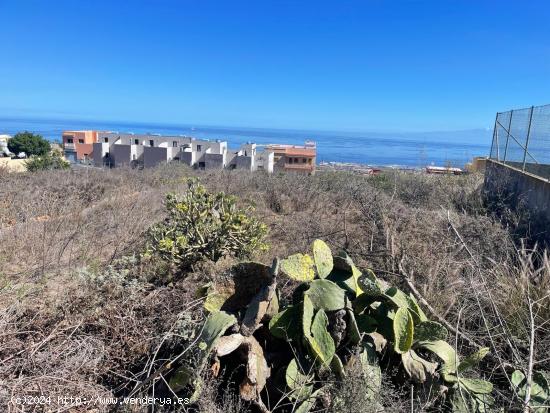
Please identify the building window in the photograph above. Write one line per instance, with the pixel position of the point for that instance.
(151, 143)
(69, 140)
(174, 144)
(309, 161)
(199, 148)
(304, 160)
(290, 160)
(81, 141)
(136, 141)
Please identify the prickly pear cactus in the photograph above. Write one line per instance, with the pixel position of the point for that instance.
(339, 318)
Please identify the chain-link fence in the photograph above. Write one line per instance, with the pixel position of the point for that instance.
(521, 139)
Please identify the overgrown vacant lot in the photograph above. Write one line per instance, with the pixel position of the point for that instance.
(84, 313)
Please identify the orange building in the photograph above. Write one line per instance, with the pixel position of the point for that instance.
(79, 145)
(294, 157)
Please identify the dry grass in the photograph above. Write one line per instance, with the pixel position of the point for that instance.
(12, 165)
(76, 320)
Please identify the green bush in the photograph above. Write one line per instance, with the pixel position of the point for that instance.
(29, 143)
(46, 162)
(201, 225)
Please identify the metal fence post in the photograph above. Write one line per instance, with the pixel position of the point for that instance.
(508, 135)
(527, 139)
(495, 139)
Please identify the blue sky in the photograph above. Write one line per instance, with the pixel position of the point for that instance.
(335, 65)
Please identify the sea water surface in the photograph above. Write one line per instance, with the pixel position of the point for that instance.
(408, 149)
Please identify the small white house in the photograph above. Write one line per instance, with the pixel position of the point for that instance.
(4, 145)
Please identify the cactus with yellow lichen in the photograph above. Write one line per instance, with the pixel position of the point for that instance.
(201, 225)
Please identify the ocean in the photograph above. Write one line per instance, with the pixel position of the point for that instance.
(404, 149)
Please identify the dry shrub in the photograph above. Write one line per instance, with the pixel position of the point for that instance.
(353, 395)
(217, 397)
(61, 219)
(4, 171)
(433, 191)
(515, 283)
(89, 337)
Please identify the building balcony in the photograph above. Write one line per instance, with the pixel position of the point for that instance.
(300, 166)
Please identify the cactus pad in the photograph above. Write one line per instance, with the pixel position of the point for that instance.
(403, 330)
(326, 295)
(323, 258)
(430, 331)
(298, 267)
(320, 341)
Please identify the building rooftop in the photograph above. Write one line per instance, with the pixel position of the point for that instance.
(297, 150)
(82, 130)
(284, 146)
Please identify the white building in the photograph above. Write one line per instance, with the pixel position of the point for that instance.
(4, 144)
(127, 149)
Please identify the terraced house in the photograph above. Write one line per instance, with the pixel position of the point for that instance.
(114, 149)
(127, 149)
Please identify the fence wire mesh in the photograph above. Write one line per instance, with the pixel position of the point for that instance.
(521, 139)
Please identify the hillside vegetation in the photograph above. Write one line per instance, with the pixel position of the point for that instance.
(112, 285)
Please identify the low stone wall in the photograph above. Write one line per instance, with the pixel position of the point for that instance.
(521, 189)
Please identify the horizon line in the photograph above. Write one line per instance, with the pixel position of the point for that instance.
(240, 127)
